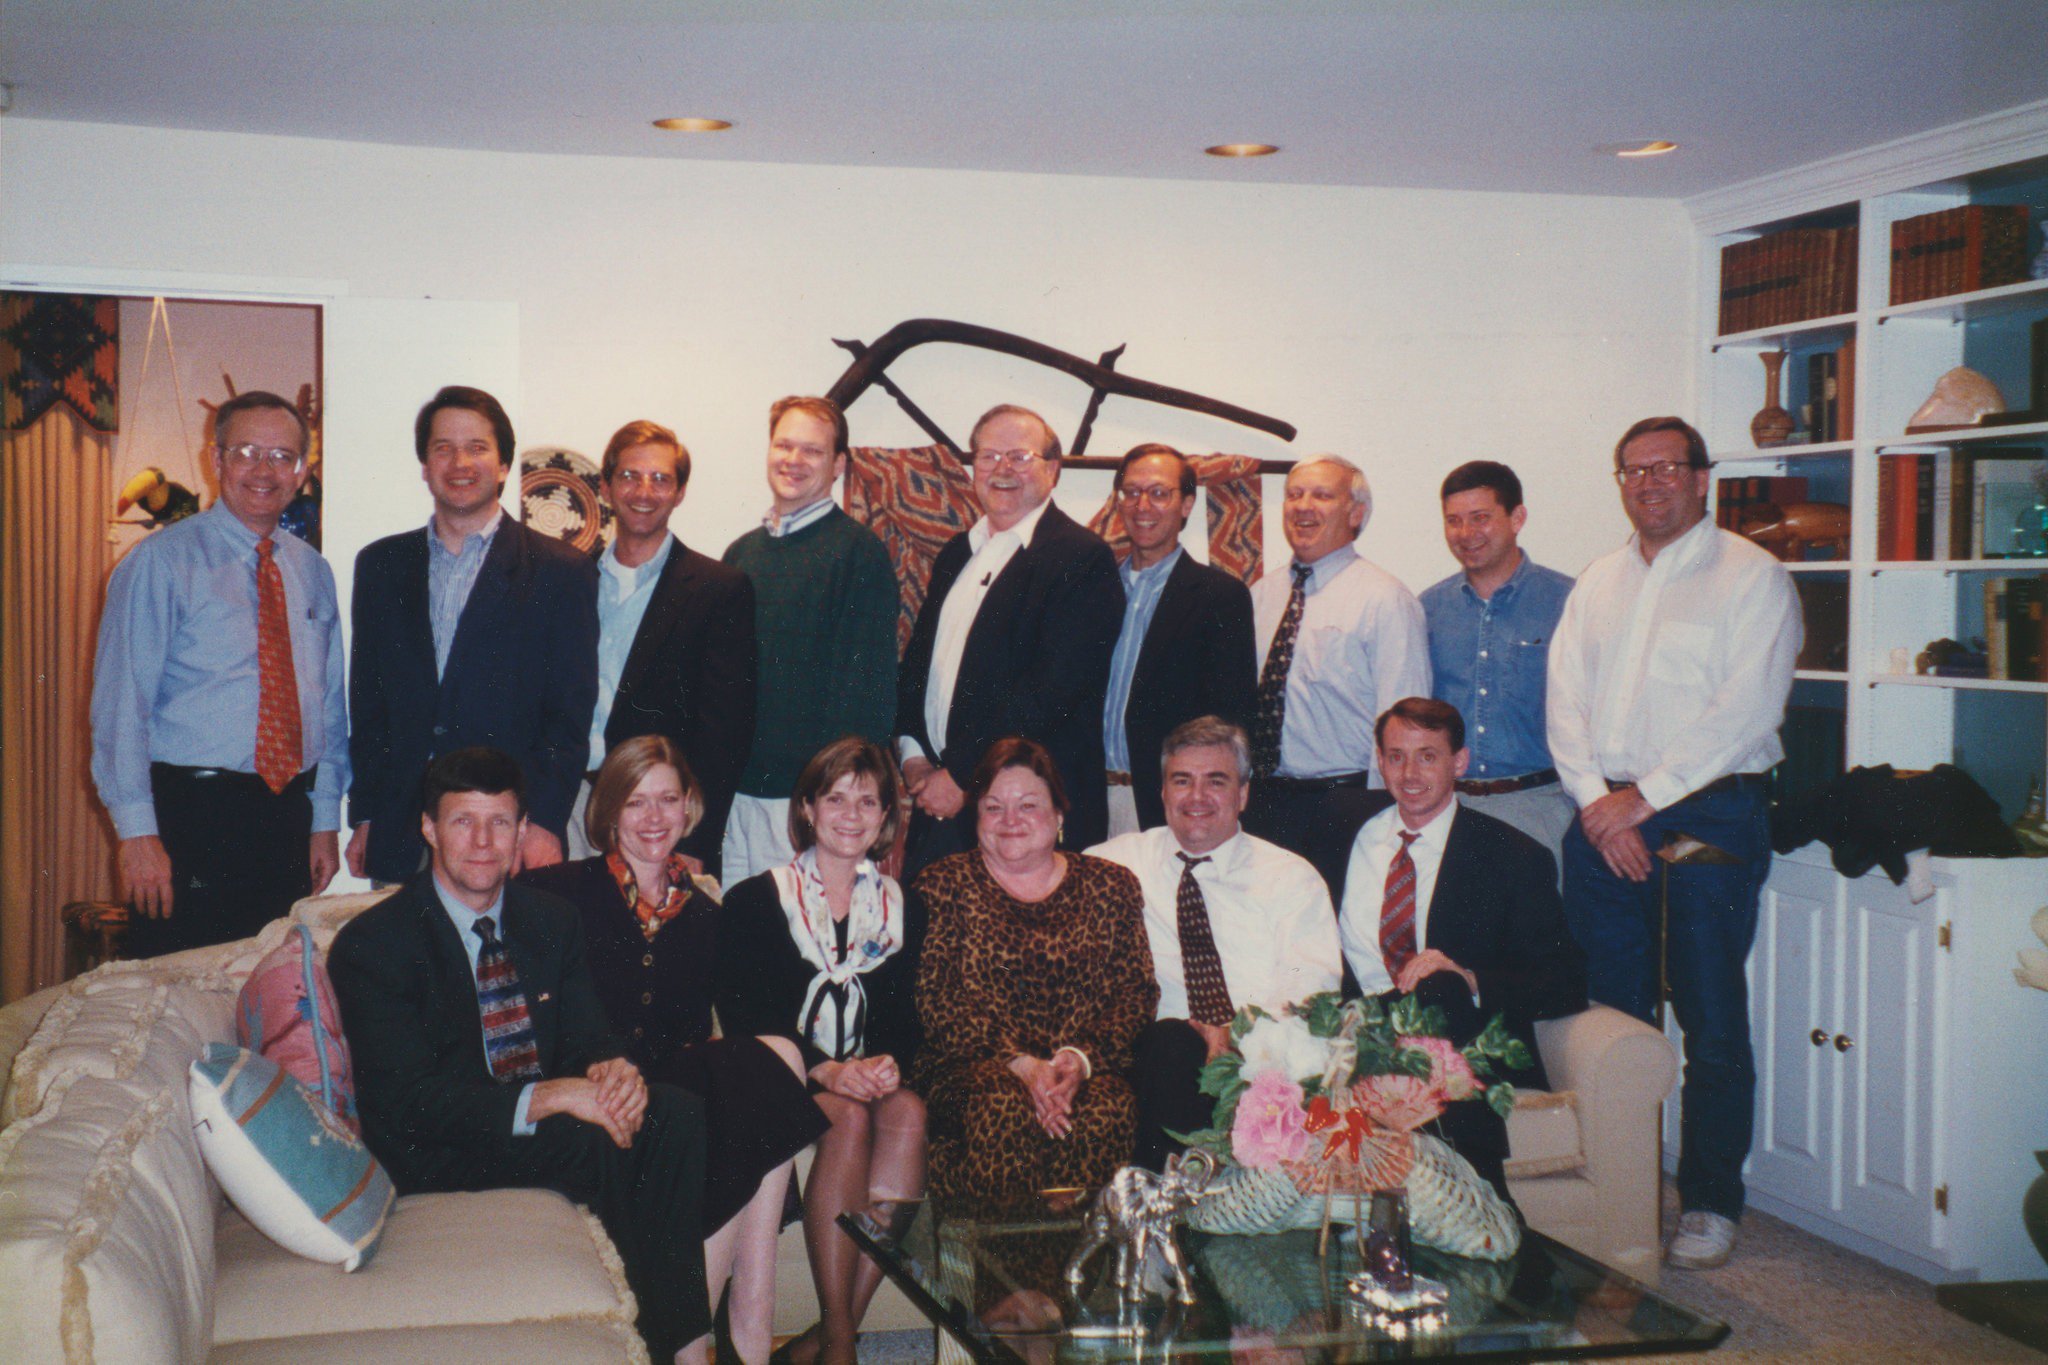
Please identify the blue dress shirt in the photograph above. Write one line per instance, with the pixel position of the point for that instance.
(450, 577)
(1489, 657)
(1142, 589)
(623, 593)
(176, 679)
(464, 919)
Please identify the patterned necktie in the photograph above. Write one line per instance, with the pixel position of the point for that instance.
(1397, 911)
(1271, 709)
(508, 1029)
(280, 747)
(1201, 968)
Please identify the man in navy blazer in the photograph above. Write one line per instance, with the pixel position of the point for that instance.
(472, 630)
(1186, 649)
(1013, 638)
(447, 1107)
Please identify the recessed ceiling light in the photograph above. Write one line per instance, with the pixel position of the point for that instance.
(693, 125)
(1639, 147)
(1242, 149)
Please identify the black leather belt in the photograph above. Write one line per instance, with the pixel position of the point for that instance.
(1308, 786)
(1734, 782)
(1501, 786)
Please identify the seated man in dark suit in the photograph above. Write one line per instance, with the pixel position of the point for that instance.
(471, 630)
(482, 1059)
(1013, 638)
(1457, 908)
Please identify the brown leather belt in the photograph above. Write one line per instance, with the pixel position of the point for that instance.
(1117, 779)
(1501, 786)
(1732, 782)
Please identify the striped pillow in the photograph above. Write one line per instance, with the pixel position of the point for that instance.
(287, 1163)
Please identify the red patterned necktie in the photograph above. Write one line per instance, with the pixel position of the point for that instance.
(1397, 911)
(1200, 966)
(508, 1028)
(280, 746)
(1270, 711)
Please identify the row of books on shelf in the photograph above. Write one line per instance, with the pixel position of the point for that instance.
(1958, 251)
(1786, 277)
(1979, 504)
(1830, 406)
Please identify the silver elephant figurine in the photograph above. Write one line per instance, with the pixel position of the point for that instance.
(1137, 1211)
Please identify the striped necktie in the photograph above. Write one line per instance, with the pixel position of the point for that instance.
(1397, 910)
(508, 1029)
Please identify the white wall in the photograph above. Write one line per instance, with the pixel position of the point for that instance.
(1407, 329)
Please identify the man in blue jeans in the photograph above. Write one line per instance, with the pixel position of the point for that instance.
(1668, 678)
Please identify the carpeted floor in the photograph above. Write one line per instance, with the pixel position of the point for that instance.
(1787, 1296)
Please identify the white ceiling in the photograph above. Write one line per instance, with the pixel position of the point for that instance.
(1462, 94)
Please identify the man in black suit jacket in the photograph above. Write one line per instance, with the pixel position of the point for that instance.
(545, 1099)
(1186, 649)
(675, 658)
(1457, 908)
(1014, 638)
(472, 630)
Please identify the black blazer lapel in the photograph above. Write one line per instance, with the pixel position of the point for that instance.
(664, 610)
(1177, 600)
(415, 604)
(505, 564)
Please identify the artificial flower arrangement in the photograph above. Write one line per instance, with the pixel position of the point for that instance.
(1326, 1100)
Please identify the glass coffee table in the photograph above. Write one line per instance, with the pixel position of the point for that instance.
(993, 1282)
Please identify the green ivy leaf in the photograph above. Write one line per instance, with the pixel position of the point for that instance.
(1500, 1097)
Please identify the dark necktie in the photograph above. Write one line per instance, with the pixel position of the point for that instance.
(1397, 911)
(1200, 966)
(1271, 710)
(280, 747)
(508, 1029)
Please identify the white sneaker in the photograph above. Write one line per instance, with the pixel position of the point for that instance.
(1704, 1241)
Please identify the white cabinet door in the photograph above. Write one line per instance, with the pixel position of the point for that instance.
(1793, 973)
(1888, 1085)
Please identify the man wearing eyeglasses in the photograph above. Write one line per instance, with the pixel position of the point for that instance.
(220, 729)
(1186, 648)
(1669, 674)
(472, 630)
(1014, 638)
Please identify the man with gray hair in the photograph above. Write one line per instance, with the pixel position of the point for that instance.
(1232, 920)
(1340, 639)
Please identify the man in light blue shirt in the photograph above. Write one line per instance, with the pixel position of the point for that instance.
(219, 833)
(1489, 643)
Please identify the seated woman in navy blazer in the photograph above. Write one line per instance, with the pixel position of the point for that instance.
(651, 935)
(823, 946)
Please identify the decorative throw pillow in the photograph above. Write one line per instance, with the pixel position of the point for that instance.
(306, 1182)
(288, 1013)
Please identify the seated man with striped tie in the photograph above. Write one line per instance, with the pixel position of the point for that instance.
(482, 1058)
(1232, 921)
(1457, 908)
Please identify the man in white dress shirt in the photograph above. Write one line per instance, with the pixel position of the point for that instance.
(1232, 921)
(1668, 679)
(1339, 640)
(1458, 909)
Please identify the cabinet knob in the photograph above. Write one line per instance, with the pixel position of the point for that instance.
(1843, 1042)
(1819, 1036)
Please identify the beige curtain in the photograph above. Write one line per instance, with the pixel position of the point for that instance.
(56, 494)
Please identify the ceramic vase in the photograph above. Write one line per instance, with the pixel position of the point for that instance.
(1772, 424)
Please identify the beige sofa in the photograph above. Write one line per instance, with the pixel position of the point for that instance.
(115, 1244)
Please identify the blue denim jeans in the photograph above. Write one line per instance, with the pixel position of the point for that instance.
(1713, 912)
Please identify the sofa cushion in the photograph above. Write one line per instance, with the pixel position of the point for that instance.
(1543, 1134)
(325, 914)
(129, 1027)
(286, 1160)
(287, 1012)
(497, 1256)
(558, 1343)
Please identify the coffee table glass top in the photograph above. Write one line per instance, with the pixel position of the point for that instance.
(994, 1280)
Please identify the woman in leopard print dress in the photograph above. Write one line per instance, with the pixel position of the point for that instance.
(1035, 980)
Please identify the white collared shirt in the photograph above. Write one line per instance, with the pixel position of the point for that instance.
(1269, 912)
(1365, 890)
(992, 552)
(1674, 673)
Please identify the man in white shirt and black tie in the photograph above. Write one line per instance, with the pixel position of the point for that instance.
(1232, 921)
(1458, 909)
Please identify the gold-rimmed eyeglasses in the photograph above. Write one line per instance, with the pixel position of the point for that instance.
(1658, 471)
(281, 458)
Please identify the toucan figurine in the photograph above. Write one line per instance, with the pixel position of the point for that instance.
(154, 493)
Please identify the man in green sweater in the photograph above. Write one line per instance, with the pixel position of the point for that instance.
(825, 605)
